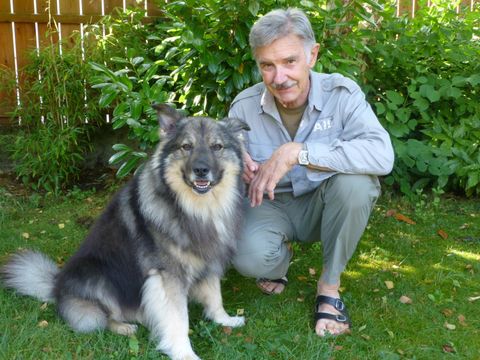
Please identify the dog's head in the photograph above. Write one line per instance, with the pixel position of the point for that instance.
(200, 155)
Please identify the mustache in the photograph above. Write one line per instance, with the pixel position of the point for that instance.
(285, 85)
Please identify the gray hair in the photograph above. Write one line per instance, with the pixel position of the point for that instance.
(280, 23)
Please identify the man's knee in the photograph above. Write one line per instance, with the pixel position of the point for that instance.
(355, 191)
(266, 259)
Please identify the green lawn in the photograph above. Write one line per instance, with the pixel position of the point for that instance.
(438, 272)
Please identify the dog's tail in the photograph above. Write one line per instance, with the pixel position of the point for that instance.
(31, 273)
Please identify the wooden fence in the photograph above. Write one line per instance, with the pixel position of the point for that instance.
(24, 23)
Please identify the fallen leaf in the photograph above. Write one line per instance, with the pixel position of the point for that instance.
(376, 290)
(404, 218)
(44, 306)
(390, 212)
(240, 312)
(300, 299)
(447, 312)
(389, 284)
(464, 226)
(227, 330)
(26, 235)
(405, 299)
(361, 328)
(473, 298)
(400, 351)
(449, 326)
(448, 348)
(302, 278)
(235, 289)
(43, 324)
(312, 271)
(390, 333)
(61, 226)
(338, 347)
(461, 320)
(365, 336)
(442, 234)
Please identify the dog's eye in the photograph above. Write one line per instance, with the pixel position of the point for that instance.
(217, 147)
(187, 147)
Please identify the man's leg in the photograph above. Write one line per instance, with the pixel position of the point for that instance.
(337, 213)
(262, 251)
(349, 201)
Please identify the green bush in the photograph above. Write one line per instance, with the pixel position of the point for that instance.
(57, 113)
(199, 58)
(421, 76)
(424, 80)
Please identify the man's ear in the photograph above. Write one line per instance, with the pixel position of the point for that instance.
(313, 55)
(167, 117)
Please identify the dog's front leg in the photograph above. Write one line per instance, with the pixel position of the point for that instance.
(165, 313)
(207, 292)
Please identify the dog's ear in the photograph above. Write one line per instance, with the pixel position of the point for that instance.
(236, 125)
(167, 117)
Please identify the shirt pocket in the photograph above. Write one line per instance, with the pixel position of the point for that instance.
(261, 152)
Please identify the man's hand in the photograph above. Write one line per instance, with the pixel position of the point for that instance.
(267, 176)
(250, 167)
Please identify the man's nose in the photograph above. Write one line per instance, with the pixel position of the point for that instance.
(280, 76)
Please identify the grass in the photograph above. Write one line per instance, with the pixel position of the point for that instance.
(440, 274)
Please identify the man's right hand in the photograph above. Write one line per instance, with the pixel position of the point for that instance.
(250, 168)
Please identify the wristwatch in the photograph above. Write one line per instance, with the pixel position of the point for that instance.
(303, 157)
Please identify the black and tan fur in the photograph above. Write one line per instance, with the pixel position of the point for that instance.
(166, 237)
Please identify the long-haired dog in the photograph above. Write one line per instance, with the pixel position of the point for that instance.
(165, 237)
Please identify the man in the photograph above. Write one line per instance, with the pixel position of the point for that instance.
(315, 150)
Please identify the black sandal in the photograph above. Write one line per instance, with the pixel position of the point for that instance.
(337, 304)
(282, 280)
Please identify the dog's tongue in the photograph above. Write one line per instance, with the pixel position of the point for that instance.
(202, 183)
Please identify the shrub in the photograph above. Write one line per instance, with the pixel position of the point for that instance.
(57, 113)
(423, 80)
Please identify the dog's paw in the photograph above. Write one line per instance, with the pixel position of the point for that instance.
(123, 328)
(233, 321)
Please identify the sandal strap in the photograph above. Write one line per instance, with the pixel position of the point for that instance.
(283, 280)
(338, 318)
(335, 302)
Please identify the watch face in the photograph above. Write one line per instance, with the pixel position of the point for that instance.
(303, 157)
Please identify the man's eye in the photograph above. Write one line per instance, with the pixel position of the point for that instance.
(187, 147)
(217, 147)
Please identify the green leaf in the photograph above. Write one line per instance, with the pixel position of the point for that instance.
(394, 97)
(430, 93)
(118, 157)
(253, 7)
(136, 108)
(421, 104)
(107, 98)
(380, 108)
(127, 167)
(121, 147)
(137, 60)
(474, 79)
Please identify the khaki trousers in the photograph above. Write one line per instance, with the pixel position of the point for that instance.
(336, 213)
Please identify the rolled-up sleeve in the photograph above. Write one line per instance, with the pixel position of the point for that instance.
(363, 146)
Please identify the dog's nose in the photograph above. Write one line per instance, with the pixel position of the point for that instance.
(201, 171)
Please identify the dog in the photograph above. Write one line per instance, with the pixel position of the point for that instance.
(166, 237)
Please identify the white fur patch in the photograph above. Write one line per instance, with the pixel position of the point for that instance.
(165, 310)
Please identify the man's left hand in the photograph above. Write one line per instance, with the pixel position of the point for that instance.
(270, 172)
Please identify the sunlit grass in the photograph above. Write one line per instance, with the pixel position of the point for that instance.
(440, 277)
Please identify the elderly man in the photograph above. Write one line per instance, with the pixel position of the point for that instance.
(315, 150)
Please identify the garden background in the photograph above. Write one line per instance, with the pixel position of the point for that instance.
(413, 285)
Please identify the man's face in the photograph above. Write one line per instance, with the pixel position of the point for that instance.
(285, 70)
